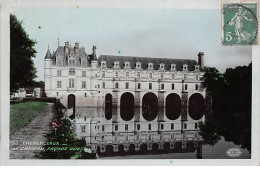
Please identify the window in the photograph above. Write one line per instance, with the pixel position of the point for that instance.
(150, 75)
(185, 126)
(83, 73)
(103, 74)
(71, 71)
(196, 125)
(197, 77)
(116, 85)
(71, 83)
(161, 75)
(127, 74)
(138, 126)
(103, 85)
(83, 85)
(161, 126)
(58, 72)
(127, 85)
(185, 76)
(103, 128)
(58, 84)
(150, 86)
(83, 129)
(172, 126)
(162, 86)
(71, 62)
(149, 126)
(139, 85)
(116, 127)
(138, 75)
(85, 94)
(196, 87)
(173, 76)
(85, 118)
(126, 127)
(116, 74)
(84, 63)
(172, 86)
(186, 87)
(57, 93)
(98, 85)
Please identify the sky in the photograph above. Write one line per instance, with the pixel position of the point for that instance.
(163, 33)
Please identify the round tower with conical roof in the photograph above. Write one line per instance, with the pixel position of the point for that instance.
(47, 71)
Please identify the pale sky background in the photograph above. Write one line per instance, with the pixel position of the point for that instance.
(170, 33)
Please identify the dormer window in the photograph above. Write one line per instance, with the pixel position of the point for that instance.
(161, 66)
(127, 64)
(103, 63)
(150, 65)
(185, 67)
(116, 64)
(138, 65)
(173, 66)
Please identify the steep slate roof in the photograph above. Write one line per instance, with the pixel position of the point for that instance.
(61, 51)
(145, 60)
(48, 54)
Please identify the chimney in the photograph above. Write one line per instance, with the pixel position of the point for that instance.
(94, 53)
(201, 59)
(77, 45)
(67, 44)
(94, 50)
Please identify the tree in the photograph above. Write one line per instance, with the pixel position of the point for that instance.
(22, 70)
(231, 105)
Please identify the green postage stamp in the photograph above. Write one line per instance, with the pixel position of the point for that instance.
(240, 22)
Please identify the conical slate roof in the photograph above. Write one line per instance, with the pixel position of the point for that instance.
(48, 54)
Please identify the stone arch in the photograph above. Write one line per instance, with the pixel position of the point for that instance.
(173, 106)
(127, 106)
(108, 106)
(150, 106)
(197, 106)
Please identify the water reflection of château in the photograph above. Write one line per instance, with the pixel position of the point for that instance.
(108, 138)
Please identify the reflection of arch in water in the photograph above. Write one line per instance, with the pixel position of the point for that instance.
(108, 106)
(71, 104)
(196, 106)
(150, 106)
(127, 106)
(173, 106)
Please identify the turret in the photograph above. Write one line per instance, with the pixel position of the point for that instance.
(47, 71)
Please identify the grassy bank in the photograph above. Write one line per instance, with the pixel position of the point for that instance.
(23, 113)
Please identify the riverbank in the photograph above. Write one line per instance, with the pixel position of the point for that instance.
(28, 140)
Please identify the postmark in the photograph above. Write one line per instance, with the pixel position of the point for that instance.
(240, 23)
